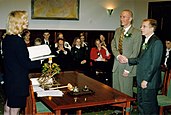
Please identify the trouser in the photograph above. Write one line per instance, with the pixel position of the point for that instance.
(123, 84)
(147, 101)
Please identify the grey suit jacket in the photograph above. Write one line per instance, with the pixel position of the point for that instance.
(131, 47)
(148, 63)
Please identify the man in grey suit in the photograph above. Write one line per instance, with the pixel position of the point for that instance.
(148, 69)
(130, 46)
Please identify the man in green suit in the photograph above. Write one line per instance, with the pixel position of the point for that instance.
(130, 46)
(148, 69)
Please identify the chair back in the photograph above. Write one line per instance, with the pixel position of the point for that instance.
(169, 85)
(165, 81)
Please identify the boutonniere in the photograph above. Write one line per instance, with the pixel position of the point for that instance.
(144, 46)
(127, 35)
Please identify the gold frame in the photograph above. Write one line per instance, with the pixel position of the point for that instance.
(55, 9)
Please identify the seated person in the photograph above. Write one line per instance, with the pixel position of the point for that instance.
(166, 60)
(84, 44)
(66, 44)
(37, 41)
(26, 36)
(80, 59)
(108, 47)
(63, 56)
(46, 40)
(99, 55)
(102, 40)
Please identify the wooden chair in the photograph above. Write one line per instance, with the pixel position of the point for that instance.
(164, 100)
(164, 77)
(35, 108)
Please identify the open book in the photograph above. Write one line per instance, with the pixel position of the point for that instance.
(39, 52)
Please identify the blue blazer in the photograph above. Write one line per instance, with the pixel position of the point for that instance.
(148, 63)
(16, 65)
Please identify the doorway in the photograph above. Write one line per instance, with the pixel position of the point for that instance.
(161, 12)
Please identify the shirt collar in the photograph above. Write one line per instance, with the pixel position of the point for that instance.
(78, 47)
(126, 29)
(46, 40)
(168, 49)
(146, 39)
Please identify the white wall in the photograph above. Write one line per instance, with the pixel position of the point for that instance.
(92, 14)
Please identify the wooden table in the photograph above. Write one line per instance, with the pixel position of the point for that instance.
(104, 95)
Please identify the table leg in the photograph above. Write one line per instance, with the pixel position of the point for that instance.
(58, 112)
(128, 108)
(78, 112)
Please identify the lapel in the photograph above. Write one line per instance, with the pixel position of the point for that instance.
(149, 43)
(130, 30)
(120, 31)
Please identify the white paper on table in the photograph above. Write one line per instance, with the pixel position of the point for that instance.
(39, 52)
(37, 88)
(34, 81)
(45, 93)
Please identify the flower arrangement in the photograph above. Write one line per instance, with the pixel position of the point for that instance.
(48, 71)
(127, 35)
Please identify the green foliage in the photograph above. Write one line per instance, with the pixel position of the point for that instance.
(52, 69)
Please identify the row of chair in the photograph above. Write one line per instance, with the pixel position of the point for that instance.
(164, 99)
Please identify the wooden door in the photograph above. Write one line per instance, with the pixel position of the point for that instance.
(161, 12)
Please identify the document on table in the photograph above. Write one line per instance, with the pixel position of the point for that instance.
(45, 93)
(34, 81)
(39, 52)
(37, 88)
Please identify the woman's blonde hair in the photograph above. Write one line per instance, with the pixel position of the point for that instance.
(17, 21)
(74, 42)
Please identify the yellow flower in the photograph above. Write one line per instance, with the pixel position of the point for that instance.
(50, 68)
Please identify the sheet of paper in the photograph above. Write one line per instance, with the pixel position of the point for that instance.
(34, 81)
(45, 93)
(39, 52)
(37, 88)
(42, 57)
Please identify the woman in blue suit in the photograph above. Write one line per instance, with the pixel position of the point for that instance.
(16, 63)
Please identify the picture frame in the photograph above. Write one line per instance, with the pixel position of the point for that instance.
(55, 9)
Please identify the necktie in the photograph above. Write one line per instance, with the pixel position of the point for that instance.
(47, 43)
(120, 42)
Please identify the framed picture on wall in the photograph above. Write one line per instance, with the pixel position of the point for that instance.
(55, 9)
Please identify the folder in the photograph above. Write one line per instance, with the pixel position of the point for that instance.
(39, 52)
